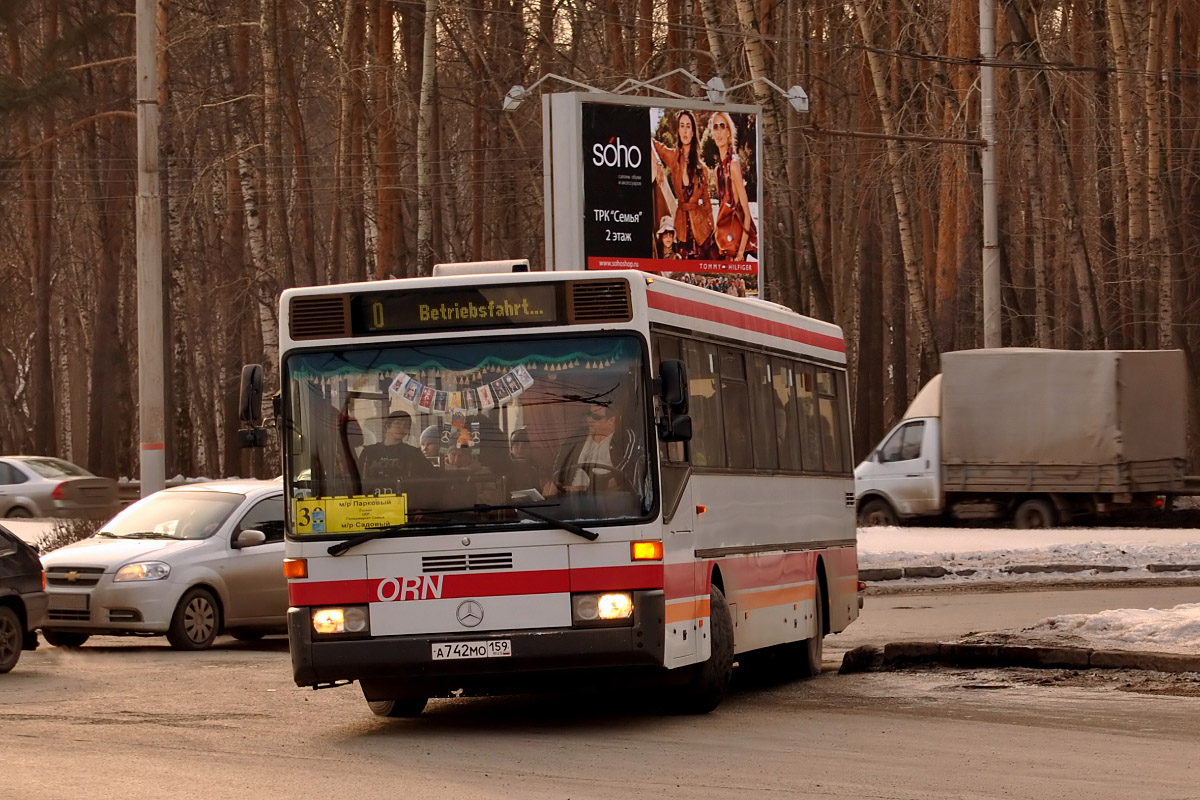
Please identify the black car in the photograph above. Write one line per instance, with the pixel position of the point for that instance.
(23, 598)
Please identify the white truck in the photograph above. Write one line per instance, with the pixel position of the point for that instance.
(1036, 437)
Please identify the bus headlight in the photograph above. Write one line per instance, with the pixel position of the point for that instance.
(351, 620)
(600, 609)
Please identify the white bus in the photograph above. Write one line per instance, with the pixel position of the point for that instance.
(496, 481)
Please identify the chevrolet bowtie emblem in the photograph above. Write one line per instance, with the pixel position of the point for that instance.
(71, 576)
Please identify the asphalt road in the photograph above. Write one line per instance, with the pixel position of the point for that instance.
(131, 718)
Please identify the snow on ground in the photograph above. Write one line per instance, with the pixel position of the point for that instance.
(982, 555)
(988, 555)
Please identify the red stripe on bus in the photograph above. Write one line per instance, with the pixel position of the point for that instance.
(487, 584)
(599, 579)
(323, 593)
(738, 319)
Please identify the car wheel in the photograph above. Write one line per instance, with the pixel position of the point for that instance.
(12, 637)
(196, 622)
(876, 512)
(1034, 513)
(17, 512)
(65, 638)
(710, 679)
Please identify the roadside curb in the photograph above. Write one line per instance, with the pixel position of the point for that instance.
(897, 573)
(899, 655)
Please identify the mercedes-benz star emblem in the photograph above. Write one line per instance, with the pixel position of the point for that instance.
(469, 613)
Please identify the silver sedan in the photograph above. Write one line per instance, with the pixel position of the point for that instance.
(41, 486)
(189, 562)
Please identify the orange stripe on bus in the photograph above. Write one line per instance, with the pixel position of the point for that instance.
(686, 609)
(775, 597)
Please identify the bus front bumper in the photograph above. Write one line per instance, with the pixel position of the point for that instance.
(394, 666)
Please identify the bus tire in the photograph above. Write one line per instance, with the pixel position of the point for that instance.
(399, 708)
(710, 679)
(811, 652)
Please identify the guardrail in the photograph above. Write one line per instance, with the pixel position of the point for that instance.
(131, 491)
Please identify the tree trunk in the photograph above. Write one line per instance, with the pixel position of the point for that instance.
(425, 142)
(912, 268)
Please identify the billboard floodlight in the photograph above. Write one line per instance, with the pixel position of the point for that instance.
(798, 98)
(715, 88)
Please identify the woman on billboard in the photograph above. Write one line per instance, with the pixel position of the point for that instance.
(736, 235)
(689, 180)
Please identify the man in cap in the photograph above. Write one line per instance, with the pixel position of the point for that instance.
(431, 443)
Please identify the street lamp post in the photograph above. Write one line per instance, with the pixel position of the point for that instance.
(151, 414)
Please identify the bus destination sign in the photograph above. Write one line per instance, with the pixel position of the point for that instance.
(456, 308)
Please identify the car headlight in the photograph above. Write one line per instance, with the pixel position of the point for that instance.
(143, 571)
(601, 609)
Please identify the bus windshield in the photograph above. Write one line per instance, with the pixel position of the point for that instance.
(429, 436)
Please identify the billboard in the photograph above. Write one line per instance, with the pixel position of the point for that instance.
(670, 187)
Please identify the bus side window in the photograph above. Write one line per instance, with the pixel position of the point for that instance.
(830, 422)
(668, 347)
(787, 426)
(735, 402)
(806, 410)
(762, 412)
(707, 447)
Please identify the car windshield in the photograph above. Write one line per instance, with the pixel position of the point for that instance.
(430, 436)
(55, 468)
(174, 515)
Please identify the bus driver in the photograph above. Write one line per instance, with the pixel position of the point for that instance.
(602, 457)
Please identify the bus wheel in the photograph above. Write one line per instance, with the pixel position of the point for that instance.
(398, 708)
(710, 680)
(810, 653)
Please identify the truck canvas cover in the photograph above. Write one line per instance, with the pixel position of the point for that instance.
(1120, 414)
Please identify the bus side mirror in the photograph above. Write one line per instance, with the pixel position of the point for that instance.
(250, 397)
(676, 428)
(251, 394)
(673, 385)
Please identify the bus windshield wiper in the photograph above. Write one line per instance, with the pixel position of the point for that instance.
(374, 533)
(526, 508)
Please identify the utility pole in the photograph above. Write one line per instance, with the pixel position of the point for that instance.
(151, 414)
(987, 131)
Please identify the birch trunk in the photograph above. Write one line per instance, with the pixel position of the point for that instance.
(1124, 28)
(425, 143)
(912, 267)
(1085, 285)
(795, 218)
(266, 291)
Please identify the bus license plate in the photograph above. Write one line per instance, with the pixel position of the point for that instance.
(488, 648)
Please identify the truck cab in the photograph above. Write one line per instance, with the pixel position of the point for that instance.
(902, 478)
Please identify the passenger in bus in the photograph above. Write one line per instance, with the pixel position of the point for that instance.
(469, 482)
(387, 465)
(605, 456)
(431, 444)
(525, 472)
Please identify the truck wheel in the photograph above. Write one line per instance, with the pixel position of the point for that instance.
(876, 512)
(399, 708)
(1035, 513)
